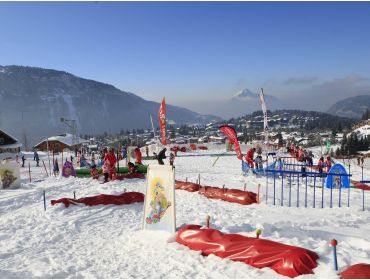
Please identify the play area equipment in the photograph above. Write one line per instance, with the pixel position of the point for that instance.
(286, 260)
(229, 195)
(85, 172)
(105, 199)
(10, 177)
(357, 271)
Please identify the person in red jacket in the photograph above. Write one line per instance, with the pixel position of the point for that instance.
(249, 157)
(328, 164)
(111, 157)
(138, 156)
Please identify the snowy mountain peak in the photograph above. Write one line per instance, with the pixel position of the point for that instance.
(245, 93)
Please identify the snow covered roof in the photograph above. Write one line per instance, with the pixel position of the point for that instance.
(9, 135)
(66, 139)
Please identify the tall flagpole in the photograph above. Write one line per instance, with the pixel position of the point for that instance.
(264, 110)
(156, 140)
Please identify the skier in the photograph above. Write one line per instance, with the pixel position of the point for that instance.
(249, 157)
(138, 156)
(111, 158)
(34, 155)
(124, 152)
(161, 156)
(321, 165)
(131, 168)
(56, 167)
(23, 160)
(172, 158)
(328, 164)
(106, 170)
(37, 160)
(93, 160)
(147, 151)
(71, 159)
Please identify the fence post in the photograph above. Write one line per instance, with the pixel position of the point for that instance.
(314, 191)
(290, 189)
(267, 186)
(331, 196)
(29, 171)
(47, 174)
(363, 200)
(43, 194)
(305, 194)
(322, 193)
(334, 243)
(282, 189)
(274, 186)
(297, 191)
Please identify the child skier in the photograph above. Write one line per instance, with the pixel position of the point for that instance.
(321, 165)
(56, 167)
(249, 157)
(106, 170)
(328, 164)
(172, 158)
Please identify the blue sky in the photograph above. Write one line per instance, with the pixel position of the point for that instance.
(193, 51)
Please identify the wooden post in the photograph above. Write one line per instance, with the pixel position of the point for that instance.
(74, 194)
(29, 171)
(47, 174)
(43, 194)
(208, 218)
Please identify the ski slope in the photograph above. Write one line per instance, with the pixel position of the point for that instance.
(107, 241)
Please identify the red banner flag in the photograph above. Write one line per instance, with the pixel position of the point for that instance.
(231, 135)
(162, 120)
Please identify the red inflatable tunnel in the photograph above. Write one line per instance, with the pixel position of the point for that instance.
(124, 198)
(357, 271)
(284, 259)
(230, 195)
(186, 186)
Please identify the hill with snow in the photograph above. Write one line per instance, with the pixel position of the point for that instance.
(34, 99)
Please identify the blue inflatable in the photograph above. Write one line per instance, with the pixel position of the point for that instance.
(336, 181)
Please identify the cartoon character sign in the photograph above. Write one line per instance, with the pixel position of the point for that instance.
(68, 170)
(159, 203)
(334, 180)
(9, 175)
(159, 206)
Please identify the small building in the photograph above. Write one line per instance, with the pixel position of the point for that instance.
(58, 143)
(9, 145)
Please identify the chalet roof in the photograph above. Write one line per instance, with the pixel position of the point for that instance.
(66, 139)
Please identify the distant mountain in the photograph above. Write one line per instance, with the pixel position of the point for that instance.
(34, 99)
(246, 101)
(352, 107)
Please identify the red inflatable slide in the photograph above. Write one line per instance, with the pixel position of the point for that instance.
(286, 260)
(357, 271)
(229, 195)
(124, 198)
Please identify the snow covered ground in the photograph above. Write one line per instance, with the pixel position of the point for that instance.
(107, 241)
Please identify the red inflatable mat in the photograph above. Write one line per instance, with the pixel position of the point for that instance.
(284, 259)
(187, 186)
(357, 271)
(131, 176)
(230, 195)
(359, 185)
(124, 198)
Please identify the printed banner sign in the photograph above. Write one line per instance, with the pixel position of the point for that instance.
(159, 206)
(68, 170)
(335, 181)
(162, 120)
(10, 177)
(231, 135)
